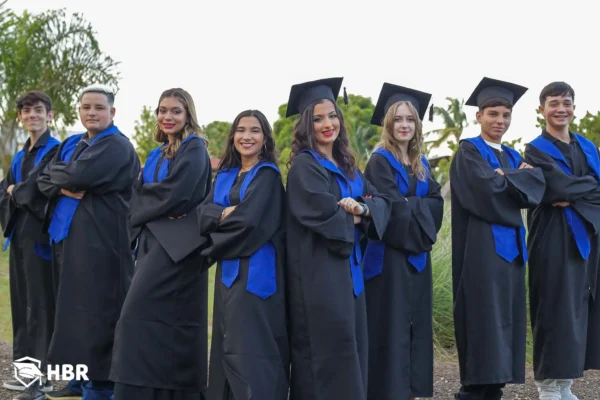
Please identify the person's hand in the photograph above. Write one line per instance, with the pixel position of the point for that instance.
(561, 204)
(524, 165)
(498, 170)
(181, 216)
(9, 189)
(226, 212)
(351, 206)
(73, 195)
(357, 219)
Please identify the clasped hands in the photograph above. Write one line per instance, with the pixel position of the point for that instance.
(353, 207)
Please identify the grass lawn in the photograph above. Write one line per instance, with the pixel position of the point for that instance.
(5, 322)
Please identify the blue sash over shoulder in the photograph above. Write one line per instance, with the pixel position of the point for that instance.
(262, 265)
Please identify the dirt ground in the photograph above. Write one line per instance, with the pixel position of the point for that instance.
(446, 381)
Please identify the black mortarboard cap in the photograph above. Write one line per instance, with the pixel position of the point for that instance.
(492, 88)
(391, 94)
(304, 94)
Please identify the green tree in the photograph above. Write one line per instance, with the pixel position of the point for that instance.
(455, 121)
(52, 52)
(144, 133)
(217, 133)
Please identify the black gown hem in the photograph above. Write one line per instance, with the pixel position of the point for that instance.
(496, 381)
(154, 385)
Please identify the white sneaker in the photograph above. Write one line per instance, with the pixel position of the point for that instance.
(565, 389)
(548, 389)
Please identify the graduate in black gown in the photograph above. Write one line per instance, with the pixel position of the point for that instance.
(490, 185)
(89, 184)
(242, 218)
(397, 269)
(331, 206)
(161, 339)
(21, 216)
(564, 243)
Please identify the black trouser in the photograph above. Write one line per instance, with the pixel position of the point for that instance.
(481, 392)
(32, 300)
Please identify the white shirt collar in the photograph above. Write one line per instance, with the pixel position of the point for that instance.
(493, 145)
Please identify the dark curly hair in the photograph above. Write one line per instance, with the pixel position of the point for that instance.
(304, 139)
(232, 159)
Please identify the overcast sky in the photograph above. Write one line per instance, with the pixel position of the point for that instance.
(239, 54)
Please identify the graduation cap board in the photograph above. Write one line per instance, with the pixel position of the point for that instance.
(493, 88)
(391, 94)
(304, 94)
(179, 237)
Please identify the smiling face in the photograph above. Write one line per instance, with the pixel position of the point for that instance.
(35, 118)
(404, 124)
(249, 138)
(494, 122)
(171, 116)
(95, 112)
(326, 123)
(558, 111)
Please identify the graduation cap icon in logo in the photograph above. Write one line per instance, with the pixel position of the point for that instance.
(304, 94)
(27, 370)
(490, 88)
(391, 94)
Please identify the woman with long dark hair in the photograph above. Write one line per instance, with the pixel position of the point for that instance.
(398, 268)
(242, 220)
(331, 206)
(160, 350)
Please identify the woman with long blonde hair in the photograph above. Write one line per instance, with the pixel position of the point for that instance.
(397, 269)
(160, 350)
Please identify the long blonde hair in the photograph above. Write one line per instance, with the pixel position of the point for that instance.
(192, 127)
(415, 146)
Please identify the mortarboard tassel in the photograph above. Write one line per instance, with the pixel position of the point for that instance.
(345, 96)
(431, 113)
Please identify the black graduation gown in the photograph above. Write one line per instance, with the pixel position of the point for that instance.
(161, 338)
(250, 349)
(95, 259)
(328, 327)
(489, 292)
(401, 349)
(562, 285)
(30, 276)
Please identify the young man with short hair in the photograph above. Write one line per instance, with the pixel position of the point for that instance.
(564, 243)
(490, 186)
(21, 216)
(89, 182)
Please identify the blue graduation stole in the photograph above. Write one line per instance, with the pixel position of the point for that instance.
(152, 161)
(261, 270)
(505, 237)
(66, 206)
(149, 172)
(42, 250)
(348, 188)
(375, 251)
(574, 220)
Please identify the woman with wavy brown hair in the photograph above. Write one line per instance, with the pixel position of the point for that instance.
(331, 207)
(398, 268)
(160, 350)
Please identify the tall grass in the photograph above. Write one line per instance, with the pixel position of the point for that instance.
(443, 319)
